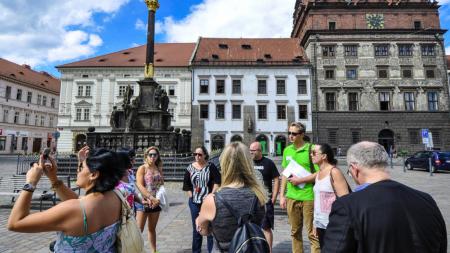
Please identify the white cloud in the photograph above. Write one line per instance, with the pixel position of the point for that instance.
(222, 18)
(45, 31)
(447, 50)
(140, 25)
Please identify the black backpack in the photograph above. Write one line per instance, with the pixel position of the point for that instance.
(249, 237)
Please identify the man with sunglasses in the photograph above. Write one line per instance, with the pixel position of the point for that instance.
(266, 172)
(299, 202)
(384, 215)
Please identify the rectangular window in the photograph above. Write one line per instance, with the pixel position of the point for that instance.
(356, 136)
(80, 91)
(44, 100)
(417, 25)
(409, 101)
(303, 111)
(384, 101)
(87, 114)
(332, 136)
(407, 72)
(16, 117)
(281, 87)
(122, 89)
(204, 86)
(78, 114)
(428, 50)
(301, 87)
(383, 72)
(236, 88)
(436, 136)
(36, 119)
(39, 99)
(262, 86)
(413, 135)
(204, 111)
(42, 120)
(351, 73)
(8, 92)
(430, 72)
(2, 142)
(262, 111)
(281, 111)
(330, 98)
(328, 51)
(29, 96)
(329, 74)
(331, 26)
(382, 50)
(5, 116)
(220, 86)
(27, 118)
(88, 91)
(236, 113)
(353, 101)
(52, 103)
(50, 122)
(405, 50)
(220, 111)
(24, 143)
(351, 50)
(432, 101)
(19, 95)
(171, 90)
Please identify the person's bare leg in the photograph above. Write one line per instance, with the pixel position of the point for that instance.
(152, 222)
(269, 237)
(141, 218)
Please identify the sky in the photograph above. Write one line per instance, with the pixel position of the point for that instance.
(48, 33)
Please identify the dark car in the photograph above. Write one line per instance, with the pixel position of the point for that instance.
(440, 160)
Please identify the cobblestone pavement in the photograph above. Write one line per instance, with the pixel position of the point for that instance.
(175, 230)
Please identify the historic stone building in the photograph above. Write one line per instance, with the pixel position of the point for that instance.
(249, 89)
(28, 109)
(379, 71)
(90, 88)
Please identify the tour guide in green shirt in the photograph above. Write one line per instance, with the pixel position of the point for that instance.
(298, 202)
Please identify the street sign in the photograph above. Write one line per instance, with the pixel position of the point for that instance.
(425, 134)
(430, 140)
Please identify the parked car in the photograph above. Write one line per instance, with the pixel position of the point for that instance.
(440, 160)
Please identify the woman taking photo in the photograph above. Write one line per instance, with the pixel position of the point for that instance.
(329, 184)
(239, 188)
(200, 179)
(149, 179)
(88, 224)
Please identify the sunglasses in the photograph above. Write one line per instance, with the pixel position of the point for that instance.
(197, 154)
(152, 154)
(294, 134)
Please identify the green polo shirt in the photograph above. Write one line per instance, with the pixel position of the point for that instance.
(301, 156)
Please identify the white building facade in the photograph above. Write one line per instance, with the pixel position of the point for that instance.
(90, 88)
(246, 100)
(28, 109)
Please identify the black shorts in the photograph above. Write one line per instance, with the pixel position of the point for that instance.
(269, 216)
(148, 209)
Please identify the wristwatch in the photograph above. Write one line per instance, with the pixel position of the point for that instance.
(29, 187)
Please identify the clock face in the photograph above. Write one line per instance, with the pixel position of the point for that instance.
(375, 21)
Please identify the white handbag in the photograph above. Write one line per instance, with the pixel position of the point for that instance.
(129, 237)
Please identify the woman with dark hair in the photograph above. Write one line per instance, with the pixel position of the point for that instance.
(329, 184)
(127, 185)
(149, 179)
(200, 179)
(87, 224)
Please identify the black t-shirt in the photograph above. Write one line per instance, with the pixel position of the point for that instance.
(267, 169)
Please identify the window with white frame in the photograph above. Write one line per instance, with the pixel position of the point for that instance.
(204, 111)
(171, 90)
(19, 95)
(262, 86)
(236, 111)
(303, 111)
(42, 120)
(29, 96)
(409, 101)
(88, 91)
(52, 103)
(262, 111)
(44, 101)
(220, 111)
(236, 86)
(16, 117)
(385, 101)
(87, 114)
(27, 118)
(39, 99)
(36, 119)
(281, 111)
(204, 86)
(301, 87)
(5, 116)
(281, 86)
(78, 114)
(50, 121)
(432, 101)
(80, 91)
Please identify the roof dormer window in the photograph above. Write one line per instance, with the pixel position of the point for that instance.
(246, 46)
(223, 46)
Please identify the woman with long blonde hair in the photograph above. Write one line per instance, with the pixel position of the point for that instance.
(240, 189)
(149, 179)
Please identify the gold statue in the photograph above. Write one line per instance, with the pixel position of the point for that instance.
(149, 71)
(152, 5)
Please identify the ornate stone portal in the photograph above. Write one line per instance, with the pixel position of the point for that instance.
(144, 121)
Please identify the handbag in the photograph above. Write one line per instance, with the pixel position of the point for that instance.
(129, 237)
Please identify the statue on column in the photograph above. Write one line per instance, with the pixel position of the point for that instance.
(158, 93)
(164, 101)
(132, 113)
(113, 120)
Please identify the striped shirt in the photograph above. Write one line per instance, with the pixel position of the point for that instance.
(200, 181)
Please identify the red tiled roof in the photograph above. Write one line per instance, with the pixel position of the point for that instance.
(25, 75)
(166, 55)
(216, 51)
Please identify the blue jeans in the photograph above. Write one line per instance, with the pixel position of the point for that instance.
(196, 237)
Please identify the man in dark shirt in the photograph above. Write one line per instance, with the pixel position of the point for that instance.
(382, 215)
(266, 172)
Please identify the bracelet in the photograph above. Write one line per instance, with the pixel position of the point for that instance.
(57, 184)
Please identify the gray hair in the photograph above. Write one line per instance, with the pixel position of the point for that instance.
(368, 155)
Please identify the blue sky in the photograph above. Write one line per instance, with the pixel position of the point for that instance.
(48, 33)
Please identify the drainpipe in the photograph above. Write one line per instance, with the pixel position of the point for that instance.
(316, 89)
